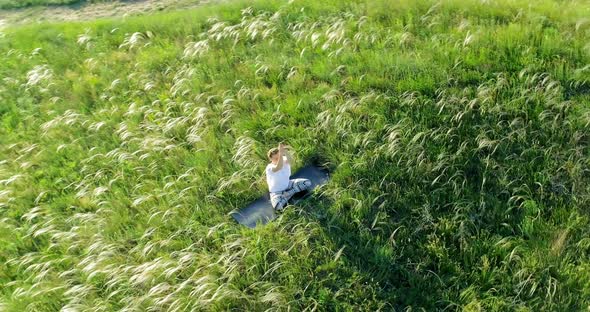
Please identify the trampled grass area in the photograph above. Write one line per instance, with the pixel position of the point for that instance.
(92, 10)
(12, 4)
(16, 4)
(457, 133)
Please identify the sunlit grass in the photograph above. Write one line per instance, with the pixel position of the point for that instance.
(456, 133)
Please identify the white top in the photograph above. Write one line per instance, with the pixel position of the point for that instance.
(278, 181)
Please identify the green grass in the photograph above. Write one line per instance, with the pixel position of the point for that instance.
(457, 133)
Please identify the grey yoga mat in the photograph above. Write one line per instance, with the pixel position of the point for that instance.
(261, 212)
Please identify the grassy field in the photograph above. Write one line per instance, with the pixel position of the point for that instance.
(457, 132)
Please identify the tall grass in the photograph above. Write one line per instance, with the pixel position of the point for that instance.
(457, 133)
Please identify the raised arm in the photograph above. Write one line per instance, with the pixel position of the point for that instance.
(279, 164)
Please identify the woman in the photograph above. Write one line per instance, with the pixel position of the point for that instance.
(282, 188)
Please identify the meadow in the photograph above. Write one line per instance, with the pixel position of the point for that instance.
(457, 134)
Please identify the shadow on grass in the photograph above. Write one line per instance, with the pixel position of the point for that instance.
(370, 268)
(375, 270)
